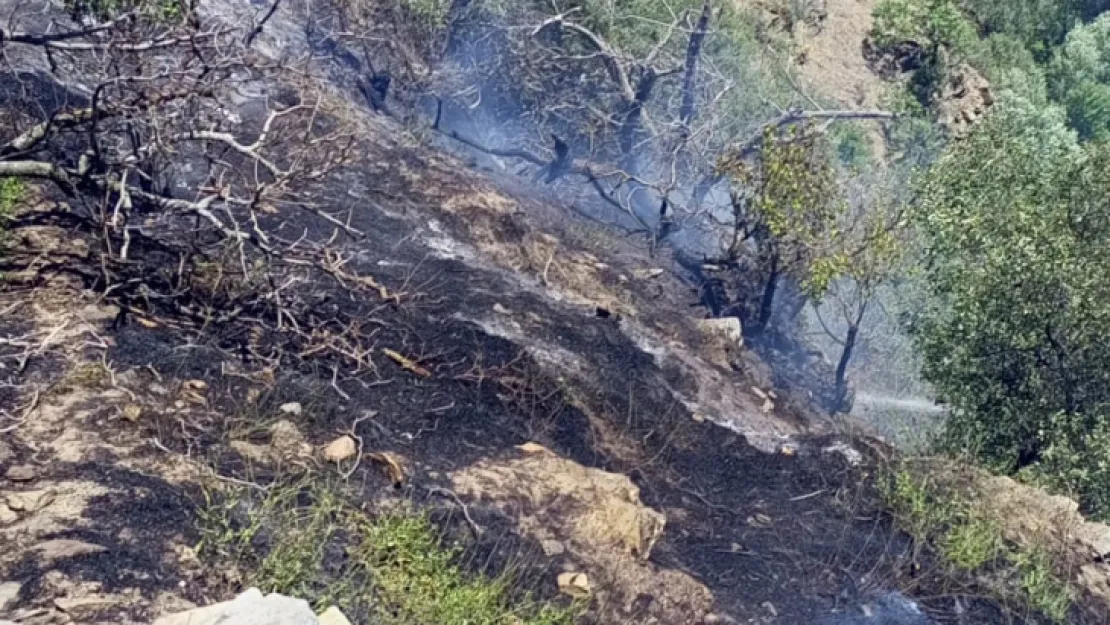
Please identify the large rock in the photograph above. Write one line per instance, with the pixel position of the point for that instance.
(596, 520)
(727, 329)
(249, 608)
(963, 100)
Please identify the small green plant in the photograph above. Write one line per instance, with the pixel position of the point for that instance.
(1043, 589)
(158, 10)
(972, 544)
(305, 540)
(852, 148)
(12, 191)
(429, 13)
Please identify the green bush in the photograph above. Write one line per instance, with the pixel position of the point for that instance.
(929, 23)
(428, 13)
(1079, 78)
(159, 10)
(1015, 221)
(12, 191)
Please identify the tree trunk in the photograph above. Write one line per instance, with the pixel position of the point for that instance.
(633, 116)
(766, 304)
(454, 16)
(693, 52)
(846, 358)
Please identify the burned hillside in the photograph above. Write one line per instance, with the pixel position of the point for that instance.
(273, 281)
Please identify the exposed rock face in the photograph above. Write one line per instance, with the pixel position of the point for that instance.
(598, 517)
(963, 100)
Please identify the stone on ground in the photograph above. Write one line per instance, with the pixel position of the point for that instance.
(249, 608)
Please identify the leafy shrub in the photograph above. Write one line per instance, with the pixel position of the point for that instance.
(1039, 24)
(929, 23)
(1016, 223)
(428, 13)
(1042, 588)
(12, 190)
(1079, 75)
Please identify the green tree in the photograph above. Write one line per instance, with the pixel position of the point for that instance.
(1016, 221)
(1079, 76)
(787, 202)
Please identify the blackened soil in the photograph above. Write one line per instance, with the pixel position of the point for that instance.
(779, 538)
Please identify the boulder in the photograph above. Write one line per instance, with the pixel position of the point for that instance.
(249, 608)
(727, 328)
(595, 522)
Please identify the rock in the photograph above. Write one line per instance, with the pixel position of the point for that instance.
(7, 515)
(249, 608)
(647, 274)
(727, 328)
(6, 452)
(760, 520)
(552, 548)
(76, 606)
(285, 435)
(604, 508)
(286, 444)
(292, 408)
(598, 520)
(132, 412)
(501, 310)
(576, 585)
(258, 454)
(533, 448)
(21, 473)
(62, 548)
(333, 616)
(342, 448)
(394, 465)
(963, 100)
(194, 385)
(30, 501)
(9, 594)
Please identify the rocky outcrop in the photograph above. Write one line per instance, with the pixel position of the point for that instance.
(963, 99)
(595, 519)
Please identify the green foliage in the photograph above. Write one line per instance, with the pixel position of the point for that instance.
(1039, 24)
(1080, 78)
(1077, 460)
(428, 13)
(929, 23)
(940, 27)
(158, 10)
(972, 543)
(392, 569)
(1016, 224)
(12, 191)
(852, 148)
(1009, 66)
(796, 202)
(1043, 589)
